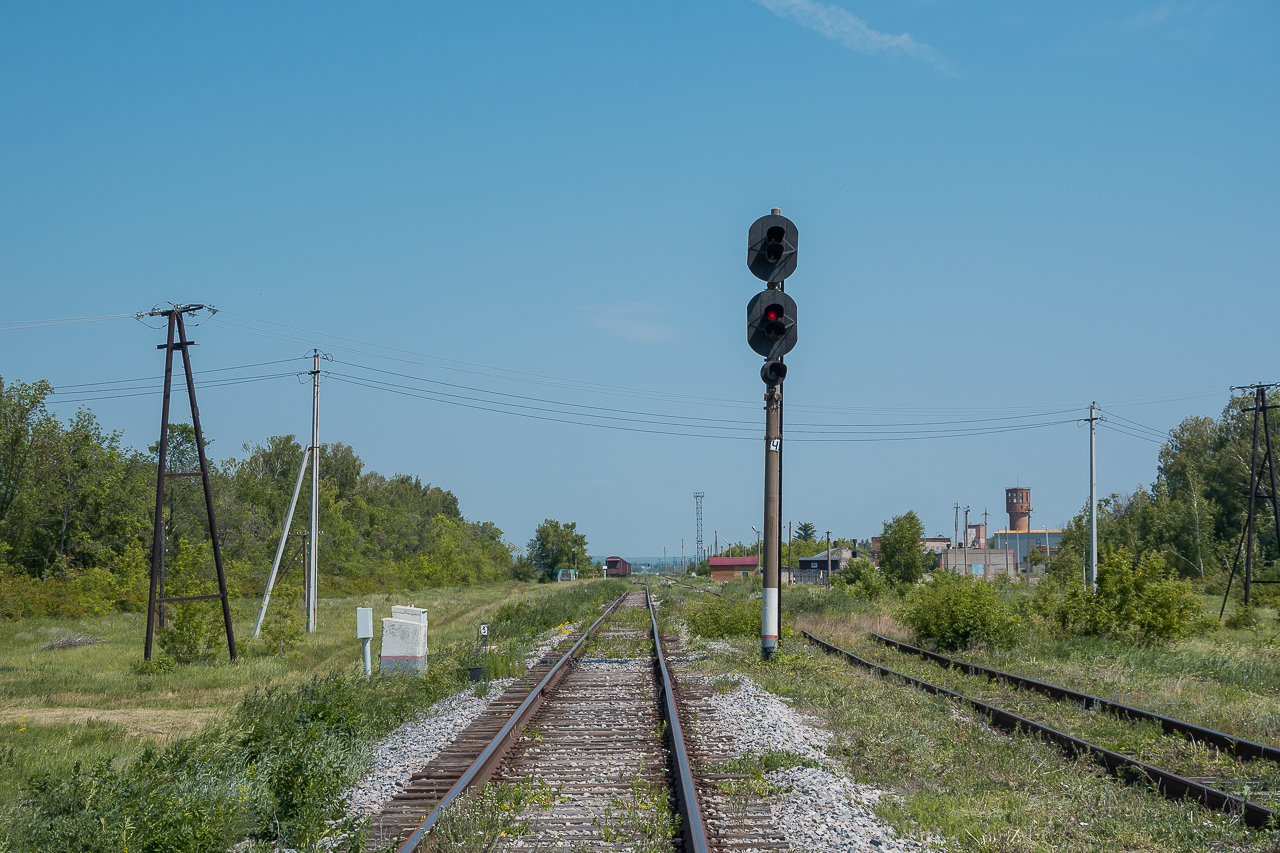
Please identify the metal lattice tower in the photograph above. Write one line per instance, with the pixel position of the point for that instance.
(697, 497)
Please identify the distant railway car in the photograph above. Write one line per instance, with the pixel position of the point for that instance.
(616, 567)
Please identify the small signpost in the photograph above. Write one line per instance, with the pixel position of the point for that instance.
(364, 633)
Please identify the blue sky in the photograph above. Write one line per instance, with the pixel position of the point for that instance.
(1006, 210)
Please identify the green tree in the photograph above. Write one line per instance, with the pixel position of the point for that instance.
(87, 499)
(862, 578)
(806, 531)
(75, 535)
(22, 411)
(1138, 599)
(903, 557)
(556, 546)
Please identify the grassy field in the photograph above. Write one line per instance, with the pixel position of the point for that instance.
(987, 791)
(1227, 680)
(950, 773)
(60, 707)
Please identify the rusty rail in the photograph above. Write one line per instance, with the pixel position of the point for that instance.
(1168, 784)
(692, 826)
(1237, 746)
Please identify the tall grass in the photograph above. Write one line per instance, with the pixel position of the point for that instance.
(272, 769)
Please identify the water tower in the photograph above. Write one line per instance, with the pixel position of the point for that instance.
(1017, 502)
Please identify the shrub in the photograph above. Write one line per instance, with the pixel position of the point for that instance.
(954, 612)
(282, 626)
(863, 579)
(725, 617)
(1136, 601)
(155, 666)
(715, 618)
(195, 631)
(1244, 617)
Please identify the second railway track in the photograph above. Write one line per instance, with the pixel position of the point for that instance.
(1126, 766)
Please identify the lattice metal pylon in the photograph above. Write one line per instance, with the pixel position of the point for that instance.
(697, 497)
(154, 602)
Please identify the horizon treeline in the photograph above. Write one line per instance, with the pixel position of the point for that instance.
(1194, 511)
(77, 510)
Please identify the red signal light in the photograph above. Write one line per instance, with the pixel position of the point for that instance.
(775, 325)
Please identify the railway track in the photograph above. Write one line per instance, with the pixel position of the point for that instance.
(1125, 767)
(608, 728)
(1231, 744)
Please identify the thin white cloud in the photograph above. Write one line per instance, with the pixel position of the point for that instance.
(851, 31)
(1161, 14)
(632, 321)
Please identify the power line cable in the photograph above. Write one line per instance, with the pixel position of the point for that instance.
(506, 374)
(471, 403)
(196, 372)
(749, 424)
(1150, 401)
(217, 383)
(1135, 425)
(502, 373)
(1116, 428)
(19, 325)
(356, 381)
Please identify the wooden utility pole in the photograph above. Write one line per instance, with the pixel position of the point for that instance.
(174, 316)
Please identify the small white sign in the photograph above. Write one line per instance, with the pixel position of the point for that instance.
(364, 623)
(484, 629)
(775, 444)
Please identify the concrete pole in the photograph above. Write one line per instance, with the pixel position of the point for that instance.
(966, 541)
(956, 538)
(1259, 400)
(828, 577)
(771, 537)
(284, 538)
(1093, 498)
(313, 562)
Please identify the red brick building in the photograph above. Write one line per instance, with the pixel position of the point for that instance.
(729, 568)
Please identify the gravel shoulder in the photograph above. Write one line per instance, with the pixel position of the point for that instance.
(818, 809)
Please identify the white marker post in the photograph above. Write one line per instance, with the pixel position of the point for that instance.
(364, 633)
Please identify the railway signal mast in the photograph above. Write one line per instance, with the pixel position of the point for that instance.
(771, 333)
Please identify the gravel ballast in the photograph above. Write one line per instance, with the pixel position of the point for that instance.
(410, 747)
(821, 810)
(407, 749)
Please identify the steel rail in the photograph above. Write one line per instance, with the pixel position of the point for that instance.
(1237, 746)
(484, 765)
(1170, 785)
(693, 828)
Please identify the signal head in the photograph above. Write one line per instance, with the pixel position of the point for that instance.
(771, 247)
(773, 372)
(771, 323)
